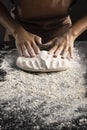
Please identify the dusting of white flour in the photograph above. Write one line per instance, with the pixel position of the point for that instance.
(52, 96)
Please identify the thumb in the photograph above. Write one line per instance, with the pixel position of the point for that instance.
(46, 46)
(71, 52)
(38, 40)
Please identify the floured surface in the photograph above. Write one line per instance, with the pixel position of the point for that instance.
(44, 100)
(43, 62)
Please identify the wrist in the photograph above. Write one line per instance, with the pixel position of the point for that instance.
(17, 29)
(74, 33)
(79, 27)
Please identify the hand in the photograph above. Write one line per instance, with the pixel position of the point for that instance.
(62, 45)
(26, 43)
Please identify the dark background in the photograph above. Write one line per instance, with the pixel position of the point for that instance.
(77, 11)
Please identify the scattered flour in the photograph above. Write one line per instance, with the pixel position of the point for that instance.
(52, 96)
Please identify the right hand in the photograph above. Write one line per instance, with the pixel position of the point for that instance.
(26, 43)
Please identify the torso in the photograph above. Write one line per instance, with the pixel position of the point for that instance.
(44, 17)
(42, 8)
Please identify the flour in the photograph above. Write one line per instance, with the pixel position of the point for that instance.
(53, 97)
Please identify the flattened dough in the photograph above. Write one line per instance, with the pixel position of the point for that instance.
(43, 62)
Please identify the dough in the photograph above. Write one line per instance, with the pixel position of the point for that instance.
(43, 62)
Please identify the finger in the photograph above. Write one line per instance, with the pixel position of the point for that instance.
(48, 44)
(52, 50)
(38, 40)
(58, 51)
(65, 52)
(71, 52)
(30, 49)
(24, 51)
(36, 48)
(19, 49)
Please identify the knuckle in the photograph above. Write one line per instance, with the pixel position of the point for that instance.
(66, 48)
(37, 37)
(29, 43)
(55, 40)
(33, 43)
(60, 47)
(62, 43)
(55, 43)
(71, 48)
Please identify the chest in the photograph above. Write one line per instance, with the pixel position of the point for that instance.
(36, 8)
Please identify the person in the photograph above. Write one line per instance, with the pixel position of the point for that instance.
(42, 24)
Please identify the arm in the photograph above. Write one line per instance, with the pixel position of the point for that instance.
(65, 44)
(25, 41)
(7, 21)
(79, 27)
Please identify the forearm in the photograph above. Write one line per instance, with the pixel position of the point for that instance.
(79, 27)
(6, 20)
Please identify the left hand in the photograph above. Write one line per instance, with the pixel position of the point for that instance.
(62, 45)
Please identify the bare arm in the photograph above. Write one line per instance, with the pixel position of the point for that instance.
(6, 20)
(66, 44)
(79, 27)
(25, 41)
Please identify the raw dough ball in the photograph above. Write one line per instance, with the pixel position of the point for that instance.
(43, 62)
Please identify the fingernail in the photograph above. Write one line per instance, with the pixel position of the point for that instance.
(62, 57)
(27, 56)
(49, 53)
(55, 56)
(33, 55)
(38, 51)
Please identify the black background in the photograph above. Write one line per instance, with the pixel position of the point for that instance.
(76, 12)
